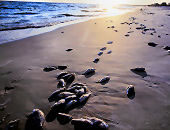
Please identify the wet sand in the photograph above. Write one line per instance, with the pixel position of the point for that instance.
(22, 63)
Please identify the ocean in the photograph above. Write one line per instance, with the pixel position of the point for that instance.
(23, 19)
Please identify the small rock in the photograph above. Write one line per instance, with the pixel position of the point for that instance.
(8, 88)
(127, 35)
(96, 60)
(100, 53)
(104, 80)
(49, 68)
(109, 42)
(89, 71)
(55, 109)
(61, 75)
(69, 49)
(152, 44)
(102, 49)
(64, 118)
(131, 92)
(61, 83)
(166, 48)
(35, 120)
(109, 52)
(139, 69)
(54, 95)
(62, 67)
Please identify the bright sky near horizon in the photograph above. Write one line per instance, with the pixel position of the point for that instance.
(115, 2)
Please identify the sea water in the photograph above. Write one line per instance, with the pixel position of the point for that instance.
(23, 19)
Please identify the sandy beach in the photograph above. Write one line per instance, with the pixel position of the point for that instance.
(22, 63)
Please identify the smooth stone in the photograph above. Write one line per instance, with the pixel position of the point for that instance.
(102, 49)
(152, 44)
(104, 80)
(166, 48)
(64, 118)
(49, 68)
(55, 109)
(69, 50)
(100, 53)
(61, 83)
(109, 42)
(54, 95)
(89, 71)
(109, 52)
(35, 120)
(61, 67)
(131, 92)
(96, 60)
(61, 75)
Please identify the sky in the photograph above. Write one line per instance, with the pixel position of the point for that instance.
(135, 2)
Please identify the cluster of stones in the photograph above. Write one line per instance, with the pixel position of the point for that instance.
(66, 98)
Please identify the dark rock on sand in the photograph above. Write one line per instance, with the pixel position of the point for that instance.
(82, 124)
(102, 49)
(104, 80)
(152, 44)
(139, 71)
(71, 105)
(84, 98)
(50, 68)
(96, 60)
(64, 118)
(69, 78)
(100, 53)
(131, 92)
(89, 123)
(109, 52)
(35, 120)
(54, 95)
(69, 49)
(61, 75)
(55, 109)
(8, 88)
(13, 125)
(166, 48)
(127, 35)
(89, 72)
(61, 83)
(61, 67)
(109, 42)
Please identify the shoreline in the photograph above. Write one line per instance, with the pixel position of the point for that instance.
(37, 31)
(22, 63)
